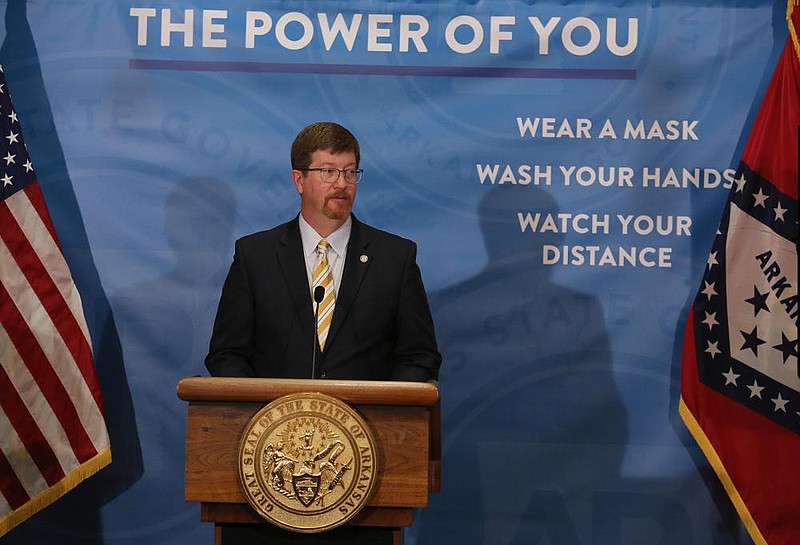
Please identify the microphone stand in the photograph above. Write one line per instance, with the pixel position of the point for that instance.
(319, 295)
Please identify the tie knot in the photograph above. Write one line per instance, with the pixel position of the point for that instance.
(323, 246)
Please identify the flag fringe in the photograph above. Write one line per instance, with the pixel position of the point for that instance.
(790, 7)
(51, 494)
(719, 468)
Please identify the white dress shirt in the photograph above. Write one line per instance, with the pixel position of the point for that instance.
(338, 241)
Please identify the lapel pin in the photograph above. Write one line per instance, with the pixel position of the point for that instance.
(364, 258)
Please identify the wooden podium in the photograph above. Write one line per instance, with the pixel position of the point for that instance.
(403, 416)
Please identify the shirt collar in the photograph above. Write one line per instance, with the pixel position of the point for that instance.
(338, 239)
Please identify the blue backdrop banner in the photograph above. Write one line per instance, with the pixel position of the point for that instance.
(561, 165)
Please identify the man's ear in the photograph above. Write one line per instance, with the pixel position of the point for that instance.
(297, 179)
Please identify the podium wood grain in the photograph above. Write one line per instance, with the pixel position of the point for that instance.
(403, 417)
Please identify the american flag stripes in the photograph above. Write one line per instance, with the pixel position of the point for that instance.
(740, 385)
(52, 428)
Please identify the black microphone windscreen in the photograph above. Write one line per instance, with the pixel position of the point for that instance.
(319, 294)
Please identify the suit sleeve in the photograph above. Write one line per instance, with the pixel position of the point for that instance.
(417, 356)
(232, 340)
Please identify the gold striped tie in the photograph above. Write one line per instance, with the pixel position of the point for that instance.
(324, 277)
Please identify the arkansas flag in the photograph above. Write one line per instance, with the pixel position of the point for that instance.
(740, 383)
(52, 430)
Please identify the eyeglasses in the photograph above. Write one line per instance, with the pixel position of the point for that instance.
(330, 175)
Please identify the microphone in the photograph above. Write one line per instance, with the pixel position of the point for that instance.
(319, 295)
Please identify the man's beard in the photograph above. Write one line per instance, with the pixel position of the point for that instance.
(340, 211)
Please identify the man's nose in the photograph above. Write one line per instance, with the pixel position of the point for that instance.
(340, 182)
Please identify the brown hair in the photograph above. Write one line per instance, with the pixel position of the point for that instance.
(323, 135)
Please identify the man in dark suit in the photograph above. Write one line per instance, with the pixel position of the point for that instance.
(381, 326)
(376, 323)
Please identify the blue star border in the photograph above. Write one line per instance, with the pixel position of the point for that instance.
(738, 381)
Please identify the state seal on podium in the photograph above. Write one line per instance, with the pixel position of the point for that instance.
(307, 462)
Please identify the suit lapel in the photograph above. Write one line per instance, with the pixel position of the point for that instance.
(293, 266)
(355, 267)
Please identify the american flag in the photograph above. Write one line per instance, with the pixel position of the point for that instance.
(740, 385)
(52, 428)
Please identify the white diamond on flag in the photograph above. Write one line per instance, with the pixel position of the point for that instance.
(762, 299)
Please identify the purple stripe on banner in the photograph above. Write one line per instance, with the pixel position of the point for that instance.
(384, 70)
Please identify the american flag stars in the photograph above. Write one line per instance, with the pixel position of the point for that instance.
(15, 175)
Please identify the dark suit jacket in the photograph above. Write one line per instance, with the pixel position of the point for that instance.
(381, 330)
